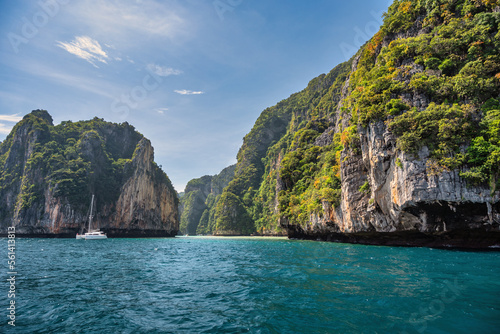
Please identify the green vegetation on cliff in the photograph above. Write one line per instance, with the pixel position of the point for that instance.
(71, 160)
(432, 74)
(450, 68)
(199, 202)
(281, 149)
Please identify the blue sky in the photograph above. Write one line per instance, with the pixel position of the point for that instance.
(191, 75)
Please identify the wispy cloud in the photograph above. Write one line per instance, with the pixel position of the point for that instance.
(86, 48)
(161, 111)
(122, 20)
(83, 83)
(5, 130)
(163, 71)
(10, 118)
(188, 92)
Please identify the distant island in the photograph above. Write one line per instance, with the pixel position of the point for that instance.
(397, 146)
(50, 172)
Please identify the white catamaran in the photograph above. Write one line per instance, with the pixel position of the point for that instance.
(92, 234)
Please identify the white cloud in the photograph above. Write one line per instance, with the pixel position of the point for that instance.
(188, 92)
(122, 20)
(5, 130)
(10, 118)
(163, 71)
(161, 111)
(86, 48)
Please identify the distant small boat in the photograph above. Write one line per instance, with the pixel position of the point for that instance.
(91, 234)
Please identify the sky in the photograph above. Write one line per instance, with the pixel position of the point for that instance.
(190, 75)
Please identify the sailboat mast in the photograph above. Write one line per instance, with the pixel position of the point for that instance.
(91, 207)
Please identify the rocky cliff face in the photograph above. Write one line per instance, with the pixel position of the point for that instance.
(406, 195)
(409, 198)
(200, 199)
(50, 172)
(250, 202)
(147, 205)
(396, 146)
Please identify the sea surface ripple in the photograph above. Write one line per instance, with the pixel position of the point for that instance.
(248, 285)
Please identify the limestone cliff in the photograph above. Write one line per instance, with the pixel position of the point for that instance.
(199, 201)
(397, 146)
(50, 172)
(407, 193)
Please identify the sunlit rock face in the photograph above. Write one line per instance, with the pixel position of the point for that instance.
(50, 173)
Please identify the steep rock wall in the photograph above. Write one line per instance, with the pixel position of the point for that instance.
(200, 200)
(42, 197)
(146, 204)
(389, 195)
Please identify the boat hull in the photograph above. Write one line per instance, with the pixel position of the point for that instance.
(95, 237)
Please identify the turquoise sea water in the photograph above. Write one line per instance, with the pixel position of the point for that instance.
(217, 285)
